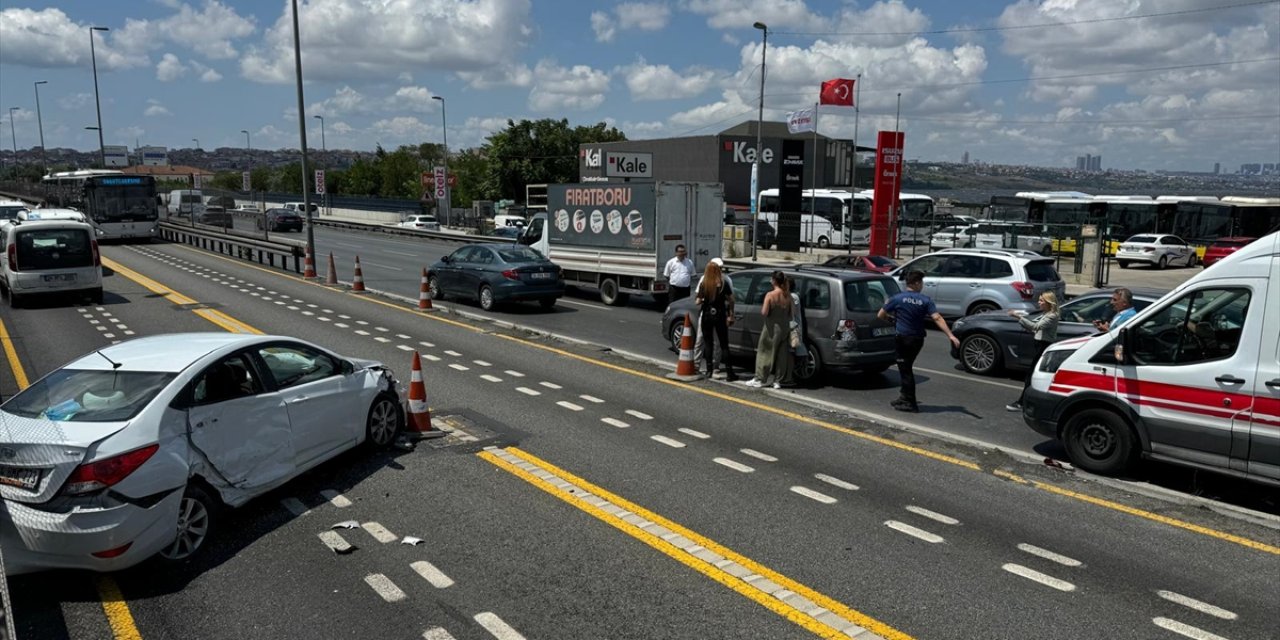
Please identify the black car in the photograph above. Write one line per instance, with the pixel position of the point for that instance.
(497, 273)
(993, 340)
(281, 220)
(511, 233)
(215, 216)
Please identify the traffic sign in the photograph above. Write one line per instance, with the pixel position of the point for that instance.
(426, 180)
(453, 180)
(320, 181)
(244, 181)
(440, 183)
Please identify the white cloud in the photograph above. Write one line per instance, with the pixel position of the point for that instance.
(130, 133)
(572, 88)
(741, 14)
(344, 101)
(516, 75)
(170, 68)
(346, 40)
(154, 108)
(645, 16)
(641, 130)
(209, 31)
(661, 82)
(19, 115)
(48, 38)
(603, 25)
(75, 101)
(412, 99)
(404, 129)
(341, 128)
(207, 74)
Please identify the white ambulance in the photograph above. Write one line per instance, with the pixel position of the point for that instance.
(1193, 379)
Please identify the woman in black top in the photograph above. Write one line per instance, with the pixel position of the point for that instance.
(715, 298)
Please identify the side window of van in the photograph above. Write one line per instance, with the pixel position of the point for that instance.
(1202, 326)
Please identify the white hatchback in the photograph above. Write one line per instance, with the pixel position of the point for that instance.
(50, 256)
(1157, 250)
(133, 449)
(424, 223)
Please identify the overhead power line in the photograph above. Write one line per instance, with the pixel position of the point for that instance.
(1259, 116)
(1042, 25)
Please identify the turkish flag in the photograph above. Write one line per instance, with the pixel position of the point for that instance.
(838, 92)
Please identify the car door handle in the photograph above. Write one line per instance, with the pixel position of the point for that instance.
(298, 400)
(1229, 379)
(1274, 384)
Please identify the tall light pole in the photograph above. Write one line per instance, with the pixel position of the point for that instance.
(97, 103)
(444, 130)
(321, 119)
(44, 162)
(755, 165)
(197, 141)
(14, 134)
(302, 135)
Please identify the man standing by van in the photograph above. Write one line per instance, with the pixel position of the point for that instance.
(679, 274)
(909, 310)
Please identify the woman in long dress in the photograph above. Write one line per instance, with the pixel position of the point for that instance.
(773, 353)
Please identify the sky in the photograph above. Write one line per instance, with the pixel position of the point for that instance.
(1147, 84)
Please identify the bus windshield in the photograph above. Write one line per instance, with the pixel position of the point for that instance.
(121, 204)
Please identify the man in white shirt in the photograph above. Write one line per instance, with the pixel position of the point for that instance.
(679, 274)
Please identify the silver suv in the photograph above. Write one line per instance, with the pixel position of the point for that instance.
(963, 282)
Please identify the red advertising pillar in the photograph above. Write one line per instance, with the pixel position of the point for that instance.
(888, 183)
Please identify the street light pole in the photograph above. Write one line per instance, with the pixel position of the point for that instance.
(322, 145)
(755, 165)
(444, 130)
(13, 133)
(97, 103)
(197, 141)
(302, 135)
(44, 162)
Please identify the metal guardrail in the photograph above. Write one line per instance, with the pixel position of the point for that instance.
(6, 608)
(285, 255)
(404, 231)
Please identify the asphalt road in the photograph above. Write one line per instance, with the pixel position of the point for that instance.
(953, 403)
(713, 511)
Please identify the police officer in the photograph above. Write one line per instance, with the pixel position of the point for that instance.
(909, 310)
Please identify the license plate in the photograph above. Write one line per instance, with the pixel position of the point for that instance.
(541, 276)
(19, 477)
(59, 277)
(884, 331)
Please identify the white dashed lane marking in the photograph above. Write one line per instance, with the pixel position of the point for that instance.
(836, 482)
(459, 367)
(384, 587)
(427, 356)
(914, 532)
(932, 515)
(733, 464)
(481, 363)
(436, 577)
(496, 627)
(336, 499)
(670, 442)
(404, 347)
(1185, 630)
(759, 456)
(361, 332)
(452, 353)
(528, 392)
(636, 414)
(490, 378)
(813, 495)
(1042, 578)
(697, 434)
(378, 532)
(1202, 607)
(615, 422)
(550, 385)
(569, 405)
(1049, 555)
(335, 542)
(514, 374)
(592, 399)
(437, 633)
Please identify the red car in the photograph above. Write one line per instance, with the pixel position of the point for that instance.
(875, 264)
(1223, 247)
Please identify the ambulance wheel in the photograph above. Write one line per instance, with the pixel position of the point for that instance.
(1099, 441)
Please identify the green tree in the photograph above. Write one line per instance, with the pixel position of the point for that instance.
(400, 171)
(362, 179)
(538, 151)
(469, 168)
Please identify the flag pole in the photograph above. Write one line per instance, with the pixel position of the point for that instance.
(895, 215)
(857, 105)
(813, 180)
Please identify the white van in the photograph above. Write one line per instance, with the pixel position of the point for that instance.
(1193, 379)
(50, 256)
(187, 203)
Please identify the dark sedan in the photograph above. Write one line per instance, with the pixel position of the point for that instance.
(874, 264)
(992, 341)
(215, 217)
(497, 273)
(281, 220)
(511, 233)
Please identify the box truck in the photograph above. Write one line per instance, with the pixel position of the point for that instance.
(617, 237)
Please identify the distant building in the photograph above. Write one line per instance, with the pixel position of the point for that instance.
(1095, 163)
(965, 158)
(1251, 169)
(1217, 168)
(1269, 167)
(1082, 163)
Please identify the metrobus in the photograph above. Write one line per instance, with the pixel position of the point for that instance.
(1028, 206)
(120, 206)
(830, 217)
(917, 218)
(1200, 221)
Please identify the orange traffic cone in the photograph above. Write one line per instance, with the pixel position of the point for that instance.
(418, 424)
(357, 282)
(686, 370)
(309, 266)
(424, 294)
(331, 278)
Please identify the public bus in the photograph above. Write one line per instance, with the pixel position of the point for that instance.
(917, 219)
(1200, 221)
(119, 206)
(830, 217)
(1028, 206)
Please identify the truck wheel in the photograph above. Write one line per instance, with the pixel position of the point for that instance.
(823, 242)
(1099, 441)
(609, 293)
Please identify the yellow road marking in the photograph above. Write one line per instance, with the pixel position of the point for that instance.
(19, 374)
(1083, 497)
(219, 318)
(715, 573)
(117, 610)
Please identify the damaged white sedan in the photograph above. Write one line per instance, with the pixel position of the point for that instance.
(131, 451)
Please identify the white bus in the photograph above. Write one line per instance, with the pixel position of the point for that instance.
(839, 218)
(916, 219)
(119, 206)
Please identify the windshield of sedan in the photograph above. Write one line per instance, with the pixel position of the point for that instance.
(88, 396)
(519, 254)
